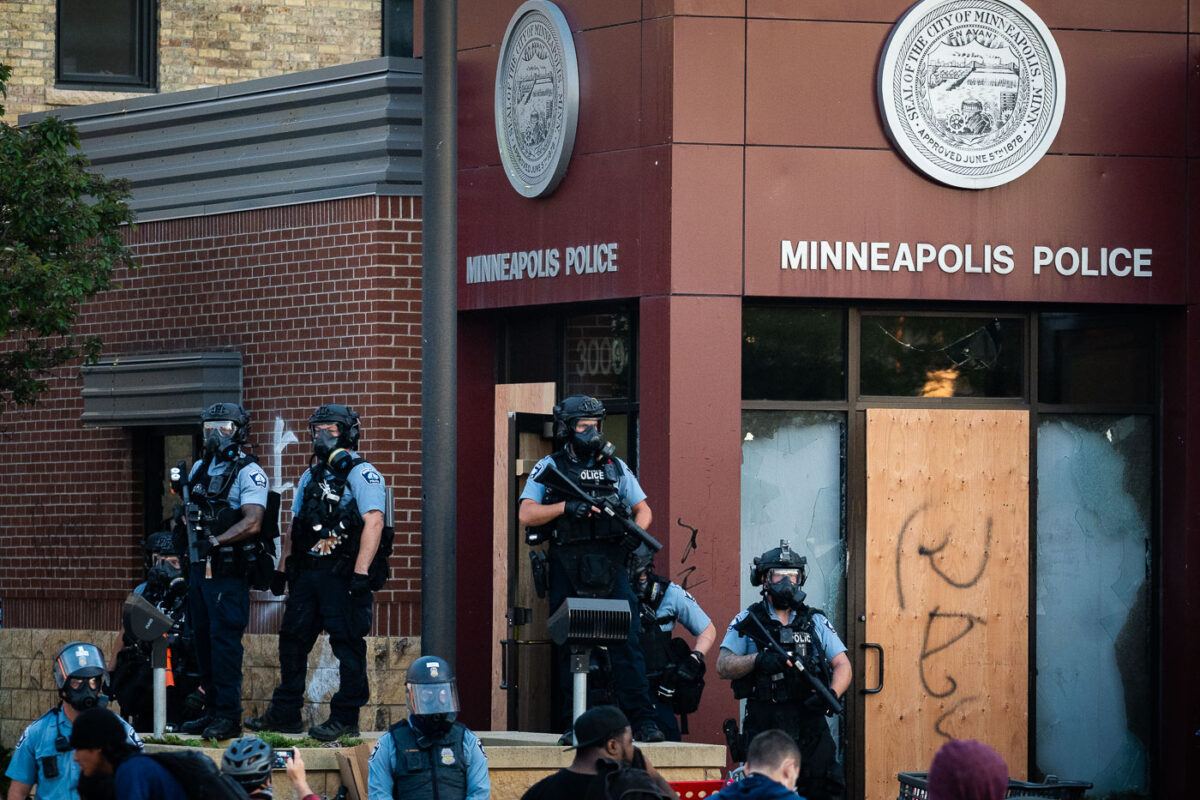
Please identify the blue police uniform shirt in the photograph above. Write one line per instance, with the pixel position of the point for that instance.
(250, 488)
(381, 765)
(364, 483)
(628, 489)
(678, 606)
(826, 636)
(37, 742)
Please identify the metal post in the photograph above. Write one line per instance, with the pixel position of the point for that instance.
(158, 661)
(439, 319)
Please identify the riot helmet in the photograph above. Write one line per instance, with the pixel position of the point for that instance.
(567, 414)
(224, 426)
(80, 674)
(781, 572)
(327, 447)
(248, 761)
(432, 696)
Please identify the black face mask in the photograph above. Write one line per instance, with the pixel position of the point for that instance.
(324, 443)
(589, 443)
(222, 448)
(161, 578)
(786, 594)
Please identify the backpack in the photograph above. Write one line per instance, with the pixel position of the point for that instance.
(199, 776)
(619, 782)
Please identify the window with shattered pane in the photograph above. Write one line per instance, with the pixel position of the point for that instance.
(1094, 696)
(930, 356)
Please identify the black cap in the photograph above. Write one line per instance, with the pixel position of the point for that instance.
(597, 725)
(96, 728)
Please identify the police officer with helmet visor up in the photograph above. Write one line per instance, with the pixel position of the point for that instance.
(588, 549)
(227, 497)
(337, 527)
(429, 755)
(777, 694)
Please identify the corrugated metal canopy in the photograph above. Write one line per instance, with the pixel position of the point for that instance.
(342, 131)
(168, 389)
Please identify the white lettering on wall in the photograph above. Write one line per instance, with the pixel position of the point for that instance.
(585, 259)
(964, 259)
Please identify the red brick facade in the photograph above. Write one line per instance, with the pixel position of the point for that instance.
(323, 302)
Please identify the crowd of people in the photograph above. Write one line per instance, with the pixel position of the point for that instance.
(781, 656)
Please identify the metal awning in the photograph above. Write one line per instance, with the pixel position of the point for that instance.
(163, 389)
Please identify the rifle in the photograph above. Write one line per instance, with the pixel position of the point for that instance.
(553, 478)
(817, 685)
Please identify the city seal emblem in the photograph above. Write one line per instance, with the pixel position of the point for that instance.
(537, 98)
(971, 91)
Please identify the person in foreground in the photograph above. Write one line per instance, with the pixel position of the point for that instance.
(601, 733)
(249, 761)
(111, 768)
(429, 755)
(772, 766)
(967, 770)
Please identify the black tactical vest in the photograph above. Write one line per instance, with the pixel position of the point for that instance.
(214, 489)
(800, 641)
(656, 643)
(324, 506)
(599, 481)
(426, 769)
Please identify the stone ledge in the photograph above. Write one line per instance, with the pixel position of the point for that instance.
(84, 97)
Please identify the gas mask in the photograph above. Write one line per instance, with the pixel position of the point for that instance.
(219, 439)
(84, 697)
(324, 443)
(785, 594)
(162, 579)
(589, 443)
(641, 585)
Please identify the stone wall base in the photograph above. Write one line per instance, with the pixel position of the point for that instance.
(27, 687)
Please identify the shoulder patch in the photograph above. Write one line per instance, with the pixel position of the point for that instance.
(259, 479)
(375, 749)
(537, 470)
(371, 476)
(687, 594)
(21, 740)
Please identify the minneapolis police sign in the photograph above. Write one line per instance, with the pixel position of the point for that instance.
(971, 91)
(537, 98)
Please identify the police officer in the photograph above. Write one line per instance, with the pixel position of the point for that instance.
(227, 500)
(429, 755)
(337, 525)
(777, 694)
(674, 670)
(166, 588)
(588, 550)
(43, 755)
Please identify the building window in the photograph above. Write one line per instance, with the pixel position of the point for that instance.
(108, 43)
(398, 28)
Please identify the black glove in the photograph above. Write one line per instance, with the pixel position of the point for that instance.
(203, 548)
(360, 585)
(817, 703)
(769, 662)
(278, 583)
(693, 668)
(577, 509)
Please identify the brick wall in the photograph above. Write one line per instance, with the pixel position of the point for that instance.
(200, 43)
(323, 302)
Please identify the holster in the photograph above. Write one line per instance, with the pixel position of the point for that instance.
(734, 740)
(541, 579)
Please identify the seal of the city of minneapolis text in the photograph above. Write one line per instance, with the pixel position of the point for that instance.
(972, 91)
(537, 98)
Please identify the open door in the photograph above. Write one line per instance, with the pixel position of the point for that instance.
(947, 577)
(521, 665)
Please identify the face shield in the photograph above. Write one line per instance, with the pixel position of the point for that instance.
(425, 699)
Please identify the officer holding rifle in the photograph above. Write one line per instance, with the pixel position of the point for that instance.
(787, 662)
(591, 539)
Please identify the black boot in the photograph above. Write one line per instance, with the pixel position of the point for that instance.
(332, 729)
(223, 728)
(197, 725)
(271, 721)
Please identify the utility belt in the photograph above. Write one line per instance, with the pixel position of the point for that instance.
(340, 565)
(245, 560)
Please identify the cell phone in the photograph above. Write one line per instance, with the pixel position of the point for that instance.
(280, 758)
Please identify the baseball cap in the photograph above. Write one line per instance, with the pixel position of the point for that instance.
(597, 725)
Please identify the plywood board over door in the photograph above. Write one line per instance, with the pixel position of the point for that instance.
(947, 586)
